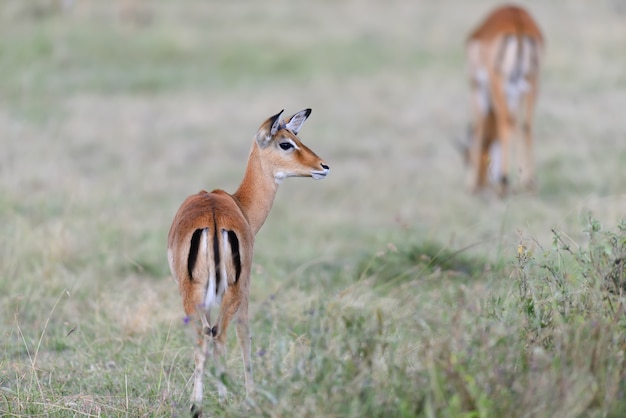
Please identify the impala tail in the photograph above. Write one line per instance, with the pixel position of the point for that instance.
(211, 255)
(214, 262)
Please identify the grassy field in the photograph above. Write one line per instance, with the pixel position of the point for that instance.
(384, 290)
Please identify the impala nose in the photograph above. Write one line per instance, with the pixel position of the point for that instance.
(318, 175)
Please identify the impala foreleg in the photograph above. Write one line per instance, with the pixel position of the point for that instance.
(480, 111)
(504, 120)
(528, 169)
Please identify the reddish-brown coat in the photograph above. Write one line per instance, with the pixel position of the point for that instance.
(206, 219)
(506, 20)
(199, 211)
(503, 53)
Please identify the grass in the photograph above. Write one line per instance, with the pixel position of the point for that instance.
(385, 290)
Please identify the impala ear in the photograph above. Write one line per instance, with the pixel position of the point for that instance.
(295, 122)
(276, 123)
(269, 129)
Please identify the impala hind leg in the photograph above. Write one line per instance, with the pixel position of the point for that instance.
(214, 349)
(207, 347)
(218, 355)
(198, 375)
(230, 305)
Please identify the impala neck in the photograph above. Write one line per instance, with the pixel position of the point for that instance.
(257, 191)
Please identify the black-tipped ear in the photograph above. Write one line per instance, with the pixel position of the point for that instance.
(276, 123)
(295, 122)
(269, 129)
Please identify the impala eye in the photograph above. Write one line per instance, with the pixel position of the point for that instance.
(285, 145)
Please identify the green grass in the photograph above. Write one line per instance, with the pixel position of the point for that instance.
(48, 57)
(413, 331)
(384, 290)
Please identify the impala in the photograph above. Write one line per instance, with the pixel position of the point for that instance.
(211, 240)
(503, 54)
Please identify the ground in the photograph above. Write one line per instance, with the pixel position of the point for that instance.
(111, 113)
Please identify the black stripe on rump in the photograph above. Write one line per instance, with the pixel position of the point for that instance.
(193, 251)
(216, 256)
(234, 247)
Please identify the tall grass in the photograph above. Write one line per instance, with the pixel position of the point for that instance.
(413, 331)
(384, 290)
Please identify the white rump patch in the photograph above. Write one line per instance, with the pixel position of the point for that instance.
(204, 251)
(529, 57)
(227, 253)
(508, 55)
(517, 68)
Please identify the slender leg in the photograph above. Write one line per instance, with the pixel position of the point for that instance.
(476, 147)
(504, 120)
(198, 374)
(219, 357)
(482, 169)
(489, 153)
(528, 168)
(243, 336)
(230, 306)
(202, 353)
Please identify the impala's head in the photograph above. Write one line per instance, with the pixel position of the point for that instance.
(283, 153)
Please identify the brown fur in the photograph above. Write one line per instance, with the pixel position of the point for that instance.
(210, 216)
(487, 48)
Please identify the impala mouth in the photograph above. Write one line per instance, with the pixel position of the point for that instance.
(318, 175)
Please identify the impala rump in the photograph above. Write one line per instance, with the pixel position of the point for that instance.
(212, 255)
(515, 59)
(213, 271)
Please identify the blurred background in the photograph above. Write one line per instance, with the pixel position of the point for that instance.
(112, 112)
